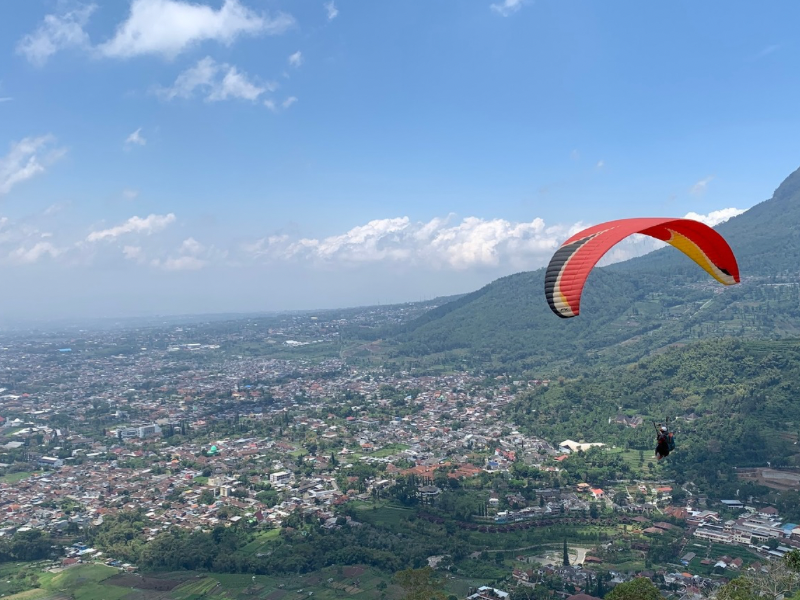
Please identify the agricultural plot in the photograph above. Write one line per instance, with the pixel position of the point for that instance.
(383, 515)
(261, 543)
(196, 588)
(99, 582)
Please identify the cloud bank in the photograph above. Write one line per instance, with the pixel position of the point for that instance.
(442, 244)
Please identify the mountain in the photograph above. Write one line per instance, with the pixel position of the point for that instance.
(628, 310)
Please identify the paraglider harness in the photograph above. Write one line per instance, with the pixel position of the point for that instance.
(665, 442)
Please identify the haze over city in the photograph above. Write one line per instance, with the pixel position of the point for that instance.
(289, 155)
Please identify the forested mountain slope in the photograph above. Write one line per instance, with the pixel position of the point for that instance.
(734, 404)
(628, 310)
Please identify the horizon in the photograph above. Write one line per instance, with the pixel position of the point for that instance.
(328, 154)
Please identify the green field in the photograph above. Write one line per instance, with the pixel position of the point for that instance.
(15, 477)
(99, 582)
(382, 515)
(85, 582)
(261, 542)
(16, 577)
(389, 450)
(631, 457)
(196, 588)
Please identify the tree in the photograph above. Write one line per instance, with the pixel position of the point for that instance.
(740, 588)
(792, 560)
(778, 578)
(566, 554)
(640, 588)
(420, 584)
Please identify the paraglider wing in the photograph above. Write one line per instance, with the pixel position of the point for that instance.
(573, 261)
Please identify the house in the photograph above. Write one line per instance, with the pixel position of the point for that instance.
(770, 512)
(428, 491)
(488, 593)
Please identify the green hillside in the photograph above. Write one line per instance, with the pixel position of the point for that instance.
(628, 311)
(733, 402)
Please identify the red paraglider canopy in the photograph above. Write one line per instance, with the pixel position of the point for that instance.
(573, 261)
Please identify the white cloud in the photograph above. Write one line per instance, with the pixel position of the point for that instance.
(136, 138)
(506, 7)
(55, 208)
(715, 217)
(170, 27)
(191, 246)
(57, 32)
(191, 256)
(23, 255)
(26, 159)
(130, 194)
(575, 155)
(147, 225)
(219, 81)
(472, 242)
(444, 243)
(133, 253)
(601, 164)
(700, 186)
(235, 85)
(6, 99)
(296, 59)
(270, 104)
(161, 27)
(331, 9)
(289, 101)
(180, 263)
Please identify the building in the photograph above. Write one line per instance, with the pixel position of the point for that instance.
(428, 491)
(127, 433)
(488, 593)
(51, 462)
(280, 477)
(148, 430)
(571, 446)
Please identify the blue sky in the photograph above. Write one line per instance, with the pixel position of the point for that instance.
(162, 156)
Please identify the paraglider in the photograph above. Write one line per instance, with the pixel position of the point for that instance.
(665, 440)
(573, 261)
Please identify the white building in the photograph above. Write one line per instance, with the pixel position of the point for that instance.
(572, 446)
(280, 477)
(148, 430)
